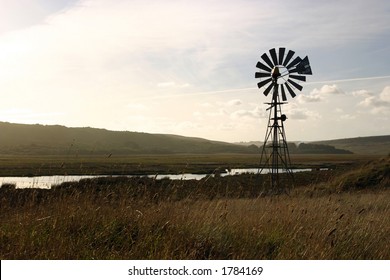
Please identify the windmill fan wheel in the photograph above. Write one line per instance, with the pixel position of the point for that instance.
(281, 69)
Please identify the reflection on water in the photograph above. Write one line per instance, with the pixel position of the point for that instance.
(41, 182)
(46, 182)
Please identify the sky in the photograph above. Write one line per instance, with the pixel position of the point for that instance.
(187, 67)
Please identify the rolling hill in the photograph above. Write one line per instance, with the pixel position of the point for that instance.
(20, 139)
(54, 140)
(372, 145)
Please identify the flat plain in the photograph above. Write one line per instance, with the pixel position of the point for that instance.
(30, 165)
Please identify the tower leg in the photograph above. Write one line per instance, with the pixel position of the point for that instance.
(275, 157)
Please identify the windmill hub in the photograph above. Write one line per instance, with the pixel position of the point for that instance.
(275, 73)
(280, 74)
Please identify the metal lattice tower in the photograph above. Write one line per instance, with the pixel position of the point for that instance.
(278, 73)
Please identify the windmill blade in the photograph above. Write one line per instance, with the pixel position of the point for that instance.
(263, 67)
(294, 62)
(263, 83)
(268, 89)
(273, 56)
(288, 57)
(297, 86)
(294, 70)
(267, 60)
(307, 71)
(281, 55)
(296, 77)
(262, 75)
(290, 91)
(304, 67)
(284, 98)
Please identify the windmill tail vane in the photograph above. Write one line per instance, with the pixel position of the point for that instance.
(279, 71)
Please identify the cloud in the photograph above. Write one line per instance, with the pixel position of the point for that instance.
(206, 105)
(319, 94)
(186, 125)
(219, 112)
(292, 111)
(198, 115)
(227, 126)
(256, 113)
(383, 100)
(327, 89)
(234, 102)
(362, 92)
(373, 101)
(309, 98)
(172, 85)
(27, 116)
(136, 107)
(21, 14)
(385, 94)
(166, 84)
(348, 117)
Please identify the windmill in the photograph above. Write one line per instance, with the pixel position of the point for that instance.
(277, 74)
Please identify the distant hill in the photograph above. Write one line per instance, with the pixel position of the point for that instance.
(54, 139)
(302, 148)
(60, 140)
(372, 145)
(310, 148)
(249, 143)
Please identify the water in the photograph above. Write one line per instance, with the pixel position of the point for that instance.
(46, 182)
(41, 182)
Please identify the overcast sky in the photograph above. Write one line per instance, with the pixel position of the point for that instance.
(187, 67)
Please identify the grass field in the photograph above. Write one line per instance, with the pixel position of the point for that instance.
(335, 214)
(161, 164)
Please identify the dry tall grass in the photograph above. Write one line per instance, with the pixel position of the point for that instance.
(221, 219)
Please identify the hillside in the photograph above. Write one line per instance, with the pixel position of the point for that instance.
(372, 145)
(54, 139)
(60, 140)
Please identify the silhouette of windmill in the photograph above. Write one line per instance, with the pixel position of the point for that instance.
(278, 74)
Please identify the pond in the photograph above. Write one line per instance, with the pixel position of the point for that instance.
(46, 182)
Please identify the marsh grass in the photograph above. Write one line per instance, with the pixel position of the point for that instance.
(154, 164)
(215, 218)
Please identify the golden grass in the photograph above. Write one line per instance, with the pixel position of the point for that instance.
(324, 217)
(81, 226)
